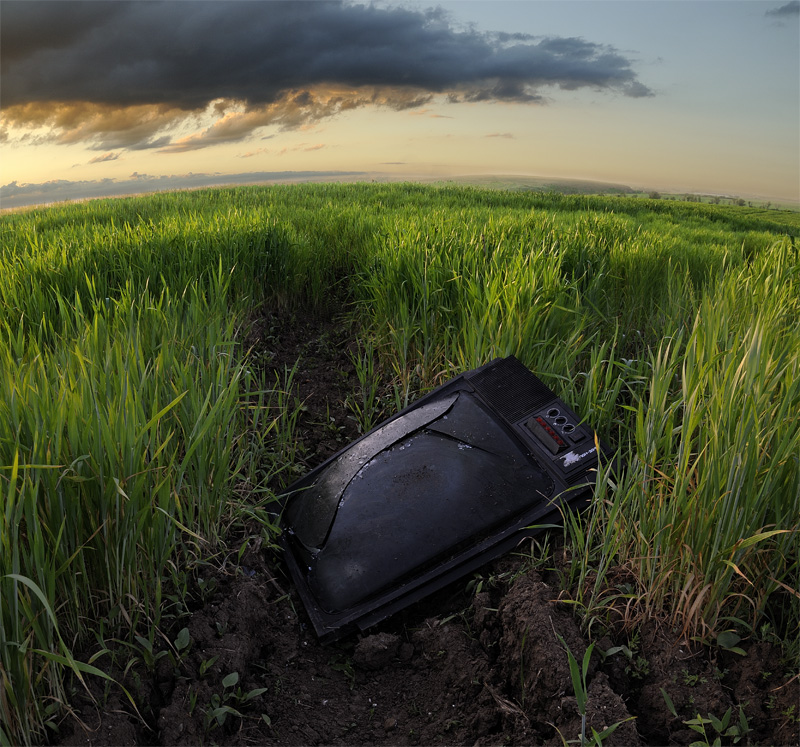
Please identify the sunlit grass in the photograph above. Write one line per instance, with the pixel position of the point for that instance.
(134, 427)
(705, 516)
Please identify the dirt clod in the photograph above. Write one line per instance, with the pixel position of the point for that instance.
(376, 651)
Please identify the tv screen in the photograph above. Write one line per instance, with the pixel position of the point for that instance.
(447, 484)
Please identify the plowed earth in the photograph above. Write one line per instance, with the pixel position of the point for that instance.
(478, 663)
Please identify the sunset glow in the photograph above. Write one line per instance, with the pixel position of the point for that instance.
(668, 95)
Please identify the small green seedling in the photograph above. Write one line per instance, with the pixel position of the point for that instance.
(728, 639)
(207, 588)
(637, 667)
(219, 711)
(182, 641)
(340, 663)
(206, 664)
(578, 677)
(149, 656)
(723, 727)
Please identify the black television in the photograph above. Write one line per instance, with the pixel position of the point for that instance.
(454, 480)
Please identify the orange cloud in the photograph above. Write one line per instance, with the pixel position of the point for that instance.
(295, 110)
(103, 124)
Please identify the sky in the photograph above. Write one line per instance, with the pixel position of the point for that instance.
(672, 95)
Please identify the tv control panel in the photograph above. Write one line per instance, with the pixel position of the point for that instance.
(555, 429)
(557, 434)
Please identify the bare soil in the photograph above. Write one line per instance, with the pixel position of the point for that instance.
(478, 663)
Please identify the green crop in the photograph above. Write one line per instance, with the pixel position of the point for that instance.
(134, 427)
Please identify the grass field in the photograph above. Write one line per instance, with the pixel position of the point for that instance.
(132, 419)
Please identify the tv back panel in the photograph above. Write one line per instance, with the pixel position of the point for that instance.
(452, 481)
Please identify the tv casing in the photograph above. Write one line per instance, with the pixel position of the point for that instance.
(451, 482)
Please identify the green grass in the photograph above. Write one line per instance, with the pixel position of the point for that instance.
(134, 428)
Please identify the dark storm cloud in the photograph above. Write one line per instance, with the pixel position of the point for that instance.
(180, 56)
(785, 11)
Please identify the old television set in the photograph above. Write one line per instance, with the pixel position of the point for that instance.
(452, 481)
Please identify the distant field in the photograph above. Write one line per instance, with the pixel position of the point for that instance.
(540, 184)
(14, 197)
(131, 414)
(589, 187)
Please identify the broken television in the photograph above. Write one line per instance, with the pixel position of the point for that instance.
(452, 481)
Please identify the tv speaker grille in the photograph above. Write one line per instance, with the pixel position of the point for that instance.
(511, 389)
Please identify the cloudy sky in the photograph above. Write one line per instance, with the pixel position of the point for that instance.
(699, 95)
